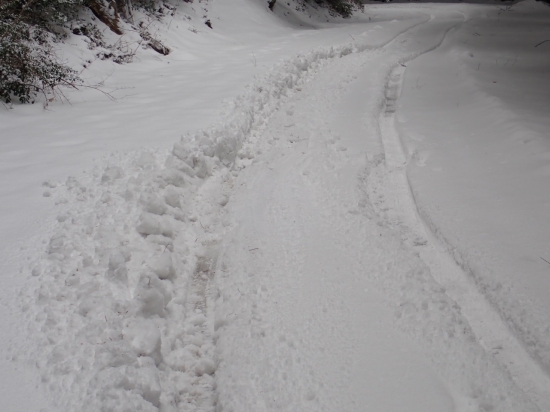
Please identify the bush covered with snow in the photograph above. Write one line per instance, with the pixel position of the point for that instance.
(27, 64)
(43, 13)
(345, 8)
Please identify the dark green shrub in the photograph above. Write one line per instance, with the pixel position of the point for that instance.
(44, 13)
(27, 63)
(344, 8)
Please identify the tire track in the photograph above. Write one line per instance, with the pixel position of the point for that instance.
(398, 208)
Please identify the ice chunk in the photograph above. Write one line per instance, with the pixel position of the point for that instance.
(112, 173)
(114, 354)
(163, 266)
(49, 183)
(57, 243)
(146, 381)
(182, 151)
(146, 160)
(172, 197)
(153, 225)
(153, 204)
(144, 337)
(151, 302)
(205, 366)
(117, 266)
(174, 177)
(151, 296)
(162, 240)
(37, 270)
(202, 168)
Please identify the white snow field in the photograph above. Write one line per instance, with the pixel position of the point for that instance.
(286, 213)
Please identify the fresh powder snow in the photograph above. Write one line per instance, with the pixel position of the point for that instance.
(290, 211)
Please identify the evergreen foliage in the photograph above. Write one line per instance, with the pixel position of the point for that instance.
(344, 8)
(43, 13)
(27, 63)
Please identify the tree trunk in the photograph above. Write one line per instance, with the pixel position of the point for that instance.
(101, 11)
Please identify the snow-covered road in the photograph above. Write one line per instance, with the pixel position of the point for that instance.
(285, 258)
(206, 72)
(350, 309)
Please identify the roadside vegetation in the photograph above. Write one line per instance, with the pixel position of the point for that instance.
(30, 29)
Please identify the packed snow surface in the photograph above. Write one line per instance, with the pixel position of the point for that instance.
(289, 212)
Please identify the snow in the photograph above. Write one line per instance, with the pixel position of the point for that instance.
(319, 216)
(479, 178)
